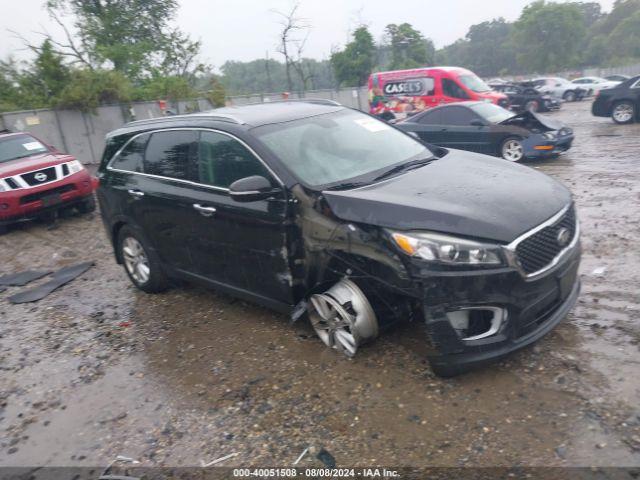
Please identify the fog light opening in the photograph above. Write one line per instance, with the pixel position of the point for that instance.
(476, 323)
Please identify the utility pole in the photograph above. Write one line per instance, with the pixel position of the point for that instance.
(267, 68)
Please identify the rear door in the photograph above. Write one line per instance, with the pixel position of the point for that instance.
(428, 127)
(161, 199)
(242, 245)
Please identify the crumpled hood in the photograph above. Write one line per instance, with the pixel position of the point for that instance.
(462, 193)
(546, 123)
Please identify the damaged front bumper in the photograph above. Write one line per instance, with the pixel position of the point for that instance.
(528, 310)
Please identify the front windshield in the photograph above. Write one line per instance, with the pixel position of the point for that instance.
(20, 146)
(492, 113)
(474, 83)
(338, 147)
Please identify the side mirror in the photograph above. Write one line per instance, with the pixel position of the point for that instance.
(477, 122)
(251, 189)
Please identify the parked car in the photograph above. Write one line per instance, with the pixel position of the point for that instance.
(524, 97)
(594, 84)
(36, 179)
(490, 129)
(621, 103)
(559, 88)
(401, 93)
(322, 211)
(617, 78)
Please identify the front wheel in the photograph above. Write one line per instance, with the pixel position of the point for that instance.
(140, 262)
(623, 112)
(570, 96)
(532, 106)
(512, 149)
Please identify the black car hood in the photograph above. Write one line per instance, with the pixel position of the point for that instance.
(462, 193)
(529, 120)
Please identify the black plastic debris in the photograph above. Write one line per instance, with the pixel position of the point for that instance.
(22, 278)
(326, 458)
(60, 278)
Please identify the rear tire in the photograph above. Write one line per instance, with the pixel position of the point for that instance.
(88, 205)
(623, 112)
(532, 106)
(140, 262)
(512, 149)
(569, 96)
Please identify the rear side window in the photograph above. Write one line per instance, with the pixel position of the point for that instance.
(431, 118)
(452, 89)
(222, 160)
(132, 155)
(169, 154)
(457, 116)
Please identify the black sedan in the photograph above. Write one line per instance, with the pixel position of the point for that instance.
(490, 129)
(621, 103)
(524, 97)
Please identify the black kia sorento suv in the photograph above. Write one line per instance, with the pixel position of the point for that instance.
(343, 220)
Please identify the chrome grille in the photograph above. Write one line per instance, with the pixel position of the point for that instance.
(538, 250)
(40, 177)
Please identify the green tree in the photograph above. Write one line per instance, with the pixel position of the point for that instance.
(549, 36)
(134, 37)
(353, 65)
(624, 41)
(48, 76)
(87, 89)
(409, 48)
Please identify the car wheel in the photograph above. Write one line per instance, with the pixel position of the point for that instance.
(343, 318)
(512, 149)
(532, 106)
(623, 112)
(140, 262)
(569, 96)
(88, 205)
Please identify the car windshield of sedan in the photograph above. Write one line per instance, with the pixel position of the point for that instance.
(492, 113)
(336, 148)
(474, 83)
(13, 148)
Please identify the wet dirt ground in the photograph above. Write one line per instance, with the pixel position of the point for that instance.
(98, 369)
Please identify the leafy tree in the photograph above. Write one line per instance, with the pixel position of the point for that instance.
(591, 12)
(48, 76)
(409, 48)
(549, 36)
(353, 65)
(134, 37)
(624, 41)
(216, 93)
(88, 89)
(171, 88)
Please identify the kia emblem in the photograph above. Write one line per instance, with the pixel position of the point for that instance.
(563, 237)
(41, 177)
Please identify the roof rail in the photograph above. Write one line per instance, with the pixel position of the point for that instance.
(222, 117)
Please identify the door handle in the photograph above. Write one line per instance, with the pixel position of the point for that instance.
(136, 193)
(206, 211)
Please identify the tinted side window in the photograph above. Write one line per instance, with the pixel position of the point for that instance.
(452, 89)
(430, 118)
(223, 160)
(169, 154)
(457, 116)
(131, 156)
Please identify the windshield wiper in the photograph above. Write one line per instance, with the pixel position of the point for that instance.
(347, 186)
(404, 167)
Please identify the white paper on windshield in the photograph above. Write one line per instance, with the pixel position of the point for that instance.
(33, 146)
(372, 124)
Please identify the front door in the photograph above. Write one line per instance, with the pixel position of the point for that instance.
(241, 245)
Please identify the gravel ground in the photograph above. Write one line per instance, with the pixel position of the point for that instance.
(99, 369)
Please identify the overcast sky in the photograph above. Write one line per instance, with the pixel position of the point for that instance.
(247, 29)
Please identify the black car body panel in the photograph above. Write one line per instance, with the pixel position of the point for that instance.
(487, 137)
(523, 95)
(300, 240)
(493, 199)
(607, 98)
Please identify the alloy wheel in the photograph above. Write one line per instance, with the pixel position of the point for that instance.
(512, 150)
(135, 260)
(623, 112)
(343, 317)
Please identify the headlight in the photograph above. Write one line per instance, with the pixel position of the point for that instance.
(74, 167)
(549, 136)
(448, 250)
